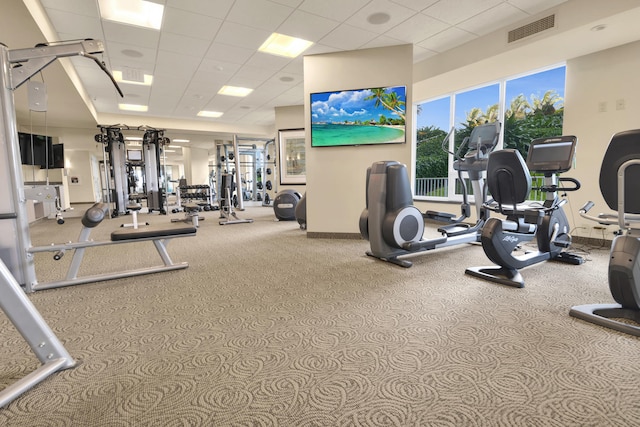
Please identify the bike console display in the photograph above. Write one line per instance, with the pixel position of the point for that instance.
(551, 155)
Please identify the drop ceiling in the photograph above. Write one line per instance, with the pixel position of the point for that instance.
(205, 44)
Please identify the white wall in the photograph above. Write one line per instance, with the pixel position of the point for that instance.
(79, 162)
(336, 175)
(605, 78)
(199, 166)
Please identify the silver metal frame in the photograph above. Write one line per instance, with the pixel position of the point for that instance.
(84, 242)
(16, 263)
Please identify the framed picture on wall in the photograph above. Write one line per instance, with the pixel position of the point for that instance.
(293, 168)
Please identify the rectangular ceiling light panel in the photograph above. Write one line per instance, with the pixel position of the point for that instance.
(133, 107)
(132, 12)
(282, 45)
(234, 91)
(213, 114)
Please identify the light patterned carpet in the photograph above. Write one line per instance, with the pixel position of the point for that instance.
(269, 328)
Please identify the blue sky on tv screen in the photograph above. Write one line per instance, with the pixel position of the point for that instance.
(437, 112)
(350, 106)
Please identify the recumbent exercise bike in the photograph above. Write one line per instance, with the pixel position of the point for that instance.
(509, 182)
(620, 188)
(395, 227)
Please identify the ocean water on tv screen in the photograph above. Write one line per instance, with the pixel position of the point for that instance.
(327, 135)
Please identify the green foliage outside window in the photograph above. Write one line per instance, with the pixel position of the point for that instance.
(524, 121)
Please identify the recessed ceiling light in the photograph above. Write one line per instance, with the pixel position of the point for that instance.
(181, 140)
(133, 12)
(281, 45)
(133, 138)
(378, 18)
(213, 114)
(234, 91)
(135, 77)
(133, 107)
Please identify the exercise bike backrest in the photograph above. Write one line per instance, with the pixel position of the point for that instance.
(624, 147)
(509, 177)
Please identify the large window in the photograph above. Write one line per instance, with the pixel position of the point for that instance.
(529, 107)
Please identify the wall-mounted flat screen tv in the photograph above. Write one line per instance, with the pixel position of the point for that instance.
(39, 150)
(359, 117)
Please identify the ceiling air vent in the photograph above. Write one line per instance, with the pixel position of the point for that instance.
(532, 28)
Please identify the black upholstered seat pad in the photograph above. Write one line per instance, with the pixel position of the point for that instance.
(152, 231)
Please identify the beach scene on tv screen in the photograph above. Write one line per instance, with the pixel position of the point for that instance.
(358, 117)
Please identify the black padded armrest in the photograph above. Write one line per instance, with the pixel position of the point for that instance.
(94, 215)
(151, 232)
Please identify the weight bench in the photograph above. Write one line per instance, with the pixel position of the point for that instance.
(159, 235)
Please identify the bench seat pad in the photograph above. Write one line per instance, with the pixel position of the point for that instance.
(152, 231)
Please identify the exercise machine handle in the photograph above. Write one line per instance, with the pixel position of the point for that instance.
(555, 187)
(587, 207)
(575, 182)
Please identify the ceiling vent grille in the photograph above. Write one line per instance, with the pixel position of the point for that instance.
(532, 28)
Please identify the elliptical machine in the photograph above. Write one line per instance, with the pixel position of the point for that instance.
(394, 227)
(620, 186)
(509, 183)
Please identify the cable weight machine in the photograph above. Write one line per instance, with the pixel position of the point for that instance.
(132, 172)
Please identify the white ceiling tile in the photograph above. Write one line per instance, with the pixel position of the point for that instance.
(417, 5)
(417, 28)
(455, 11)
(190, 24)
(233, 34)
(133, 36)
(254, 73)
(338, 10)
(216, 9)
(228, 53)
(222, 102)
(533, 7)
(447, 39)
(171, 64)
(261, 14)
(183, 44)
(481, 24)
(307, 26)
(222, 68)
(290, 3)
(397, 14)
(79, 7)
(169, 85)
(78, 26)
(346, 37)
(266, 61)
